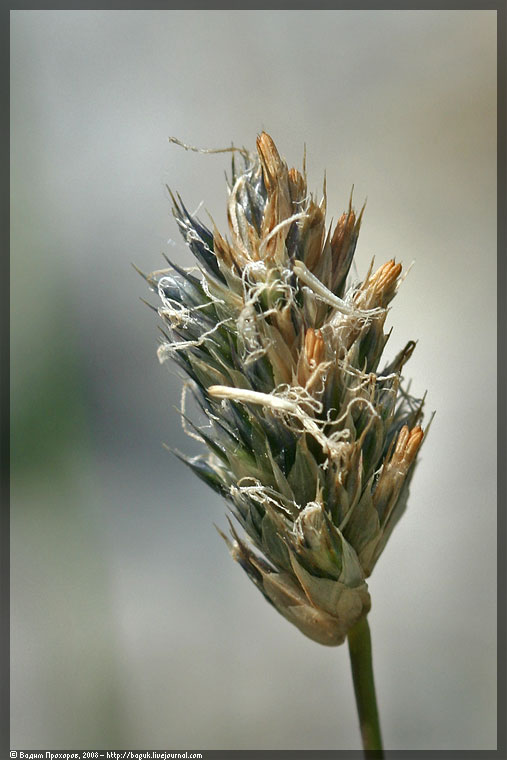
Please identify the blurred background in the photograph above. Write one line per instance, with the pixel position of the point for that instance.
(131, 626)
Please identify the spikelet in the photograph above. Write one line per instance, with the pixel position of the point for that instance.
(310, 443)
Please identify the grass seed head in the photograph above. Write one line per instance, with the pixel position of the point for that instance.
(310, 442)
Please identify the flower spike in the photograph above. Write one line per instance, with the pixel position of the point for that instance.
(312, 446)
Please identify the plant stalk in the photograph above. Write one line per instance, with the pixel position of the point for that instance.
(364, 686)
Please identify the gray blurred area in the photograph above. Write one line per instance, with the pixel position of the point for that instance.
(131, 626)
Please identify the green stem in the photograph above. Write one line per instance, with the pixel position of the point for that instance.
(364, 686)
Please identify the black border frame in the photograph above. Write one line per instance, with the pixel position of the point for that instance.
(501, 8)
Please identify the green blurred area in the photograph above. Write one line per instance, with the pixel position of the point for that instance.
(48, 420)
(61, 615)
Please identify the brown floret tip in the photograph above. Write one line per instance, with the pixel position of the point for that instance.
(407, 445)
(314, 346)
(270, 159)
(385, 277)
